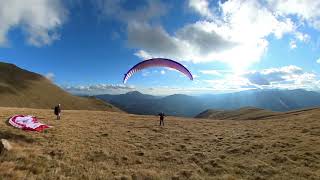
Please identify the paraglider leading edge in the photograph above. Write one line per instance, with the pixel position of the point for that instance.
(165, 62)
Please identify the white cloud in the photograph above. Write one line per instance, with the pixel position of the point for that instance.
(195, 76)
(211, 72)
(237, 37)
(205, 38)
(39, 19)
(143, 54)
(201, 7)
(50, 76)
(306, 10)
(254, 19)
(229, 83)
(293, 44)
(298, 37)
(161, 90)
(236, 32)
(153, 40)
(204, 46)
(287, 75)
(99, 89)
(302, 37)
(145, 73)
(318, 61)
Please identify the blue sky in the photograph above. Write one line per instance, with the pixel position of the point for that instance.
(87, 46)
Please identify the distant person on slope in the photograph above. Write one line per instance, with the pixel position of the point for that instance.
(57, 111)
(162, 118)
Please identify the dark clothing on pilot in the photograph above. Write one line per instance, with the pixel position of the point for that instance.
(161, 118)
(57, 111)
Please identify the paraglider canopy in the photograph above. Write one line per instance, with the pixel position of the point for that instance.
(28, 123)
(157, 62)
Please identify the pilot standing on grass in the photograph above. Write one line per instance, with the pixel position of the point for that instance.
(161, 118)
(57, 111)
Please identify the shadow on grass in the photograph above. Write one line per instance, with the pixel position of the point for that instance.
(16, 137)
(12, 136)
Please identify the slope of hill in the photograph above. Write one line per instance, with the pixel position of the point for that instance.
(116, 145)
(272, 99)
(21, 88)
(247, 113)
(190, 106)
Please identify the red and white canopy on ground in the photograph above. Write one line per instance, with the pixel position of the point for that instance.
(28, 123)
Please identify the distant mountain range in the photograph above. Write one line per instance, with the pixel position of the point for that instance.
(190, 106)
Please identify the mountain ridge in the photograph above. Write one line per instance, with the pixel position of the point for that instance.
(23, 88)
(190, 106)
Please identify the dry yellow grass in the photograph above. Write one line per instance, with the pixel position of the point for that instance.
(22, 88)
(111, 145)
(247, 113)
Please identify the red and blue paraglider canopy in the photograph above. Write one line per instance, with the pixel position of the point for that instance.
(157, 62)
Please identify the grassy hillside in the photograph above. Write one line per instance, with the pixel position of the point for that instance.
(247, 113)
(112, 145)
(21, 88)
(250, 113)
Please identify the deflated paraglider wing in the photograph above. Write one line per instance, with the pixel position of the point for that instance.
(157, 62)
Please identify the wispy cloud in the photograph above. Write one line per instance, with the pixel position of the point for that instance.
(143, 54)
(201, 7)
(50, 76)
(99, 89)
(145, 73)
(293, 44)
(284, 77)
(307, 10)
(211, 72)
